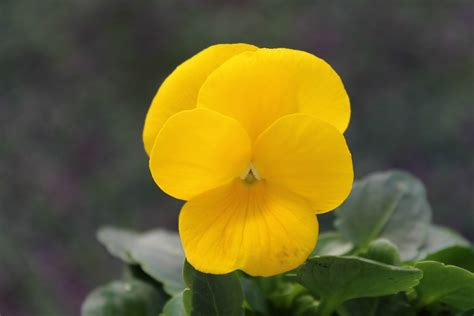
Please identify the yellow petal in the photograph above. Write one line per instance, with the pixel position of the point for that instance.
(179, 91)
(308, 157)
(258, 87)
(198, 150)
(259, 228)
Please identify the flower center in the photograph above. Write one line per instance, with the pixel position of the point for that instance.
(250, 175)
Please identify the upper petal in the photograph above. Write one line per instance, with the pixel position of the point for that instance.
(260, 86)
(198, 150)
(260, 228)
(307, 156)
(179, 91)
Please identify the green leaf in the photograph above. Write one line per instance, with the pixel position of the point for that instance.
(459, 256)
(118, 242)
(390, 205)
(338, 279)
(305, 305)
(439, 238)
(124, 298)
(135, 272)
(187, 301)
(331, 244)
(254, 295)
(160, 254)
(280, 291)
(178, 305)
(450, 285)
(215, 295)
(189, 273)
(382, 250)
(392, 305)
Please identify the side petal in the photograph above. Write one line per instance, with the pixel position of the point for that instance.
(198, 150)
(258, 87)
(308, 157)
(179, 91)
(260, 228)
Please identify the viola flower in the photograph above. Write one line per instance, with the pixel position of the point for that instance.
(253, 140)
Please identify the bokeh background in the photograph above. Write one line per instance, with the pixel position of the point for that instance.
(77, 77)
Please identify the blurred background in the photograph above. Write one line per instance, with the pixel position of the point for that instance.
(77, 77)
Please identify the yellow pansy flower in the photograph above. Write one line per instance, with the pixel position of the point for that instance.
(253, 140)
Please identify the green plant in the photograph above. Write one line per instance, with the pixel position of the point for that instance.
(384, 257)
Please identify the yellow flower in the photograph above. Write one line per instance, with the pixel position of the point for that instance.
(252, 140)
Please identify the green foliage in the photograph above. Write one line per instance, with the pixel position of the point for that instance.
(118, 242)
(440, 238)
(158, 252)
(216, 295)
(338, 279)
(367, 267)
(461, 256)
(124, 298)
(178, 305)
(392, 305)
(305, 305)
(390, 205)
(281, 292)
(332, 243)
(384, 251)
(254, 296)
(445, 284)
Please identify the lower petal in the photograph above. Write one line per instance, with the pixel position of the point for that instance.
(259, 228)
